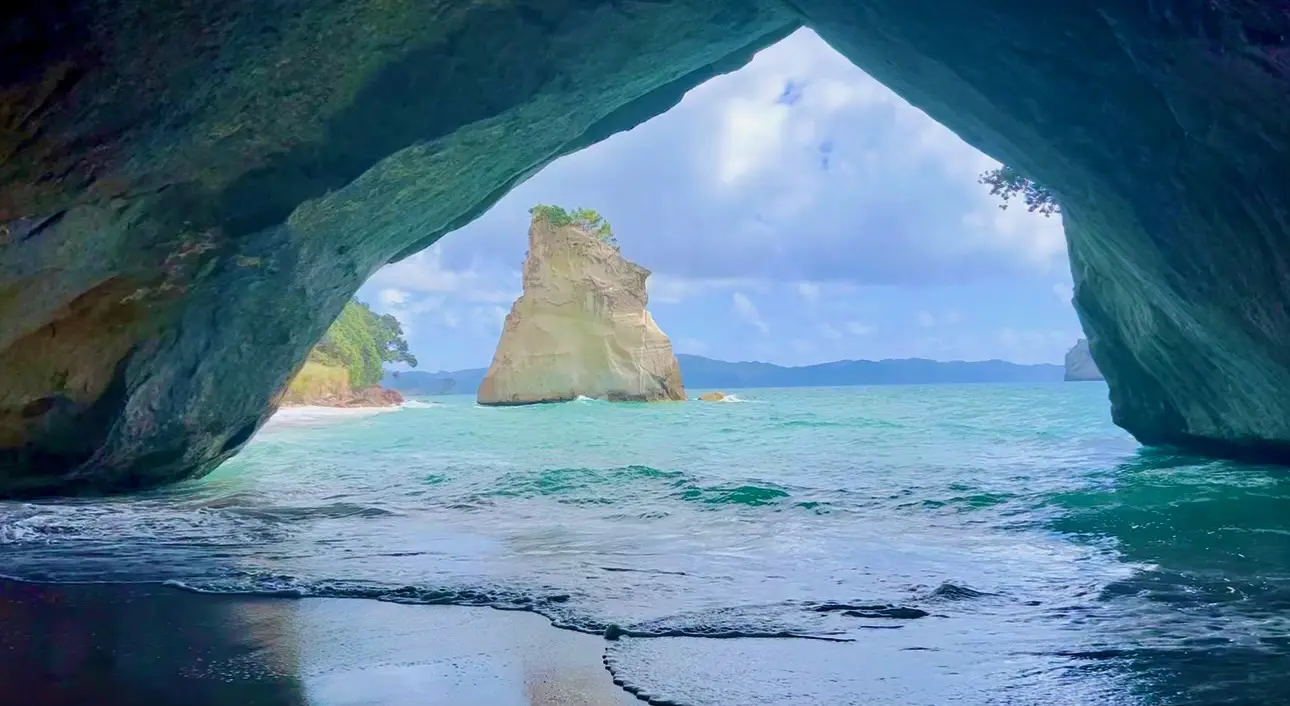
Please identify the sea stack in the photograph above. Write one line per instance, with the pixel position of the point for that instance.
(1080, 365)
(580, 328)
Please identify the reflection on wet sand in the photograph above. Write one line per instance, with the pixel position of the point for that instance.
(105, 644)
(152, 645)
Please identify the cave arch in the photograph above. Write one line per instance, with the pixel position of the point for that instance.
(191, 192)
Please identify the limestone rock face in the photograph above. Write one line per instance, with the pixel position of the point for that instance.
(1079, 363)
(1172, 187)
(580, 328)
(190, 192)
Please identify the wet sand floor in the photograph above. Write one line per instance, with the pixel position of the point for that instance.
(118, 644)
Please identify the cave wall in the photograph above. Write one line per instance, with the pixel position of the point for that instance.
(1163, 127)
(191, 191)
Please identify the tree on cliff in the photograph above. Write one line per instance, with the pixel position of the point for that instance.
(389, 339)
(1006, 182)
(360, 340)
(584, 219)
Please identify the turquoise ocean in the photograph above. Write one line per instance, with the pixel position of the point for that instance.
(970, 544)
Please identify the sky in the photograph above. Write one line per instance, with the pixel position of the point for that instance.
(794, 212)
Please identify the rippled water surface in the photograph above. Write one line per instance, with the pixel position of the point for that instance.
(916, 545)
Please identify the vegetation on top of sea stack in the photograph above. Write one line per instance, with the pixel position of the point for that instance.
(1006, 182)
(584, 219)
(360, 341)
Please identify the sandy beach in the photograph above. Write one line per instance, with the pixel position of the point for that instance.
(152, 645)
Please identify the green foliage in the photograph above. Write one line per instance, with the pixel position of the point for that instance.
(1006, 182)
(317, 381)
(361, 341)
(584, 219)
(554, 215)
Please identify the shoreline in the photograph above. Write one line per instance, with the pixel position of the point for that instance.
(156, 644)
(287, 415)
(339, 407)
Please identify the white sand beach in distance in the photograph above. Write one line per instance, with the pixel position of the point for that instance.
(311, 414)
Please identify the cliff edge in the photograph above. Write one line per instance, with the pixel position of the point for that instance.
(580, 327)
(1079, 363)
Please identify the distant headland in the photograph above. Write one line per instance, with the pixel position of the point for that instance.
(1079, 363)
(706, 373)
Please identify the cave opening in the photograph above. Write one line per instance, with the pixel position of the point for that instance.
(190, 194)
(794, 211)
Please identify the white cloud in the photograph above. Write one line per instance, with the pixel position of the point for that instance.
(690, 345)
(808, 291)
(829, 332)
(748, 312)
(1035, 346)
(1039, 240)
(1064, 291)
(487, 321)
(927, 319)
(393, 297)
(802, 166)
(667, 289)
(425, 272)
(408, 308)
(855, 328)
(750, 134)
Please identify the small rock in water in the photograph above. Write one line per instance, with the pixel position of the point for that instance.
(897, 612)
(613, 632)
(713, 397)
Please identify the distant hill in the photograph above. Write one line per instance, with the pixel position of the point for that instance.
(700, 372)
(705, 373)
(444, 382)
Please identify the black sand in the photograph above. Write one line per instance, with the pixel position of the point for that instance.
(118, 644)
